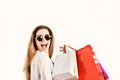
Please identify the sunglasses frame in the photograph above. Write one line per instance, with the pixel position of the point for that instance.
(47, 37)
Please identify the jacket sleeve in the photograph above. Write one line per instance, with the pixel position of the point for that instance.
(40, 68)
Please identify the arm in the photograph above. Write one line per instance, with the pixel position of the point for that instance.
(34, 69)
(44, 67)
(40, 70)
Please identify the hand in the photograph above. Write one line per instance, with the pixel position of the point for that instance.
(63, 49)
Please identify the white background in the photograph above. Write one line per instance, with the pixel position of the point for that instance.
(74, 22)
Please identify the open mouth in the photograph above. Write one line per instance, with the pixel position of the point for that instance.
(44, 46)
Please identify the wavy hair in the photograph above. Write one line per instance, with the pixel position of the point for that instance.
(32, 47)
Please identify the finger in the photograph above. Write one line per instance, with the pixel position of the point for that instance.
(65, 49)
(61, 49)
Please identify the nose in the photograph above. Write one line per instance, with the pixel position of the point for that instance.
(43, 40)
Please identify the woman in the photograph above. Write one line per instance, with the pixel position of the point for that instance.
(38, 64)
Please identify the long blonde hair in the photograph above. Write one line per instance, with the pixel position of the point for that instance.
(32, 48)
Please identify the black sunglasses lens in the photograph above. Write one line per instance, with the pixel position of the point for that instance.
(39, 38)
(47, 37)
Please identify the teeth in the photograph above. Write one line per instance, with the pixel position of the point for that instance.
(44, 45)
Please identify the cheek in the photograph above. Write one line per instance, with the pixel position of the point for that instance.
(49, 43)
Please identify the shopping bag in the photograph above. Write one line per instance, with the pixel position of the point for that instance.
(65, 66)
(104, 72)
(89, 68)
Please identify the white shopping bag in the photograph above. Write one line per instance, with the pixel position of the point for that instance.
(65, 66)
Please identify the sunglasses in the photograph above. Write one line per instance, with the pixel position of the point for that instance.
(40, 37)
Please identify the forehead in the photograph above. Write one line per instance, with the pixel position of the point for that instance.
(42, 32)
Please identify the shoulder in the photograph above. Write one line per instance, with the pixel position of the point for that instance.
(40, 56)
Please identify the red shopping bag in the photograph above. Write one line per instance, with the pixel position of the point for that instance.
(88, 66)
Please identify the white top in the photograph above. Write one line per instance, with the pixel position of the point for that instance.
(41, 67)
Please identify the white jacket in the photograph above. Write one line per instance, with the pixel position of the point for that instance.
(41, 67)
